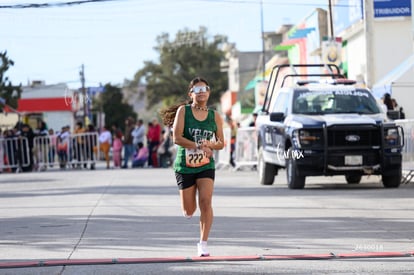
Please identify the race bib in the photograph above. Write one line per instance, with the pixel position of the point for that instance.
(196, 158)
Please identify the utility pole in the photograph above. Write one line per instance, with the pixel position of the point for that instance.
(369, 42)
(331, 20)
(84, 98)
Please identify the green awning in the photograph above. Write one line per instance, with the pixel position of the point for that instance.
(252, 83)
(281, 47)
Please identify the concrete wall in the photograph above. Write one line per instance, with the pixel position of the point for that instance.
(46, 91)
(56, 120)
(355, 51)
(392, 44)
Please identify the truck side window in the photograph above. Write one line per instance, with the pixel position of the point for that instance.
(281, 103)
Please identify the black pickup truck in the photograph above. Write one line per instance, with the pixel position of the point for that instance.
(315, 122)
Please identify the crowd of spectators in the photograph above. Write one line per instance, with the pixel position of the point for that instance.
(26, 149)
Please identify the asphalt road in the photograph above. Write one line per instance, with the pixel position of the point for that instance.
(130, 222)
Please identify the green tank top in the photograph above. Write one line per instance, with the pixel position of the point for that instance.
(190, 161)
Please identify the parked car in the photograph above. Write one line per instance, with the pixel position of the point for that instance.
(324, 125)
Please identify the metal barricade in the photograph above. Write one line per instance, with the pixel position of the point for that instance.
(42, 152)
(246, 147)
(15, 154)
(223, 156)
(84, 150)
(74, 150)
(408, 149)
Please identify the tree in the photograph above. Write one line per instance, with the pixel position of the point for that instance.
(190, 54)
(8, 92)
(111, 103)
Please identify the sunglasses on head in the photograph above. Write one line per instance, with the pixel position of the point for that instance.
(200, 89)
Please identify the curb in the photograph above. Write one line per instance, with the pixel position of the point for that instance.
(330, 256)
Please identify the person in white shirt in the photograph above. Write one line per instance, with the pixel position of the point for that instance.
(105, 141)
(63, 141)
(138, 133)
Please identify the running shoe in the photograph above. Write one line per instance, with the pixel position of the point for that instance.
(202, 250)
(187, 216)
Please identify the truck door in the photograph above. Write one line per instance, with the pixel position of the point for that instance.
(277, 127)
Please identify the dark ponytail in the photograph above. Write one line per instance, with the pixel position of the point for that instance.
(168, 114)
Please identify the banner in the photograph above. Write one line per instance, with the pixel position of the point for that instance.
(331, 52)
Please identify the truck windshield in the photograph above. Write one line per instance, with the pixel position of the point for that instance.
(319, 101)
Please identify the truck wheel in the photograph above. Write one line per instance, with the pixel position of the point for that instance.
(353, 179)
(266, 171)
(391, 181)
(294, 180)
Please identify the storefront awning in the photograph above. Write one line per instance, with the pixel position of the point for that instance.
(288, 44)
(281, 47)
(44, 104)
(300, 33)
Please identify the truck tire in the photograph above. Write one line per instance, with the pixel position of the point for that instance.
(392, 181)
(294, 180)
(353, 179)
(267, 171)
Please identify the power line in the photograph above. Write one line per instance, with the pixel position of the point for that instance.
(80, 2)
(49, 5)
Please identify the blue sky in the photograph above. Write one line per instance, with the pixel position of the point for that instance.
(113, 39)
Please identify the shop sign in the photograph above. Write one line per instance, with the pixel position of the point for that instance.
(392, 8)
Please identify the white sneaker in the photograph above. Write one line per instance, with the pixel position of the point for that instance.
(187, 216)
(202, 250)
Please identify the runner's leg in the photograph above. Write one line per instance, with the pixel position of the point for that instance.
(205, 193)
(188, 200)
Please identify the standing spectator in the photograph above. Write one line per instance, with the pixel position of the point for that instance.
(63, 141)
(388, 102)
(79, 144)
(52, 146)
(128, 146)
(90, 145)
(105, 140)
(27, 137)
(41, 147)
(163, 149)
(117, 149)
(138, 133)
(153, 137)
(233, 134)
(115, 129)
